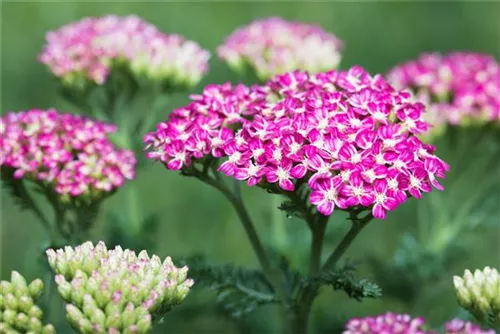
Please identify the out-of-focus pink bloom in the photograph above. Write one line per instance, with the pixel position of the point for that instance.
(91, 48)
(352, 137)
(389, 323)
(275, 46)
(458, 326)
(69, 152)
(458, 87)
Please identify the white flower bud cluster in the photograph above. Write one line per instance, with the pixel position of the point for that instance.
(479, 293)
(116, 291)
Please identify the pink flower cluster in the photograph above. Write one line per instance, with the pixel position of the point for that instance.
(275, 46)
(457, 87)
(351, 136)
(70, 152)
(388, 323)
(391, 323)
(88, 49)
(458, 326)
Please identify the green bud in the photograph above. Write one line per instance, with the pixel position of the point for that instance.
(18, 280)
(144, 324)
(98, 317)
(36, 312)
(2, 302)
(48, 329)
(9, 317)
(77, 294)
(89, 305)
(85, 326)
(483, 304)
(64, 289)
(74, 315)
(36, 288)
(11, 302)
(25, 303)
(128, 315)
(61, 268)
(22, 321)
(6, 287)
(495, 303)
(35, 325)
(113, 320)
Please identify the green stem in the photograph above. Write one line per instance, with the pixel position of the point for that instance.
(278, 223)
(357, 226)
(245, 219)
(318, 235)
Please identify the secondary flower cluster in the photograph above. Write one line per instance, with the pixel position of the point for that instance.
(275, 46)
(70, 152)
(458, 87)
(389, 323)
(116, 290)
(18, 312)
(479, 293)
(90, 48)
(351, 136)
(458, 326)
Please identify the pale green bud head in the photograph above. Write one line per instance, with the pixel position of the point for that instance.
(36, 288)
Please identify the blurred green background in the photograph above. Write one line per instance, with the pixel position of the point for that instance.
(196, 219)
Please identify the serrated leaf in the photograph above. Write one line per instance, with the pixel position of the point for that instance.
(240, 291)
(343, 279)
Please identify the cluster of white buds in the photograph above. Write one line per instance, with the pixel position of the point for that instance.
(116, 291)
(18, 312)
(479, 293)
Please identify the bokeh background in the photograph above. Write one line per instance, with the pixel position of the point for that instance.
(195, 219)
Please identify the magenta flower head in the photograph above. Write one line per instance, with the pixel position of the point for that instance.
(275, 46)
(116, 290)
(458, 326)
(346, 138)
(388, 323)
(65, 153)
(90, 49)
(459, 88)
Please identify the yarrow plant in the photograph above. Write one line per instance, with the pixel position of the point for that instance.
(122, 70)
(479, 293)
(88, 51)
(18, 312)
(69, 158)
(459, 88)
(342, 140)
(347, 136)
(116, 290)
(275, 46)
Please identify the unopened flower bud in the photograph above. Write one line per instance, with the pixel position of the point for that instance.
(6, 287)
(22, 321)
(36, 288)
(11, 302)
(479, 293)
(9, 316)
(48, 329)
(35, 325)
(25, 303)
(36, 312)
(113, 320)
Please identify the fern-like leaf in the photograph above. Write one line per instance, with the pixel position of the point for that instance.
(240, 291)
